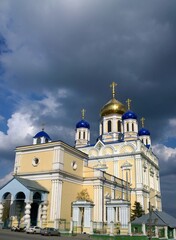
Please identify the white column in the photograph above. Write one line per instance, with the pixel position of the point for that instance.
(124, 216)
(129, 228)
(110, 213)
(87, 216)
(44, 212)
(56, 195)
(76, 214)
(156, 231)
(17, 162)
(91, 227)
(112, 228)
(71, 226)
(143, 229)
(1, 212)
(58, 158)
(39, 219)
(165, 232)
(27, 214)
(174, 233)
(98, 201)
(12, 209)
(139, 169)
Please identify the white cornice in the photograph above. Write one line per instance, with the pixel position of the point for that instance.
(51, 146)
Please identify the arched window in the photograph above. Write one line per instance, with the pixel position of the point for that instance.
(109, 126)
(132, 127)
(119, 126)
(146, 141)
(84, 135)
(79, 135)
(127, 127)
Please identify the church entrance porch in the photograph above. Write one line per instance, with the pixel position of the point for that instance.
(21, 203)
(82, 216)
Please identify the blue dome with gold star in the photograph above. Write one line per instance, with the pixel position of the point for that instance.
(143, 131)
(83, 124)
(129, 115)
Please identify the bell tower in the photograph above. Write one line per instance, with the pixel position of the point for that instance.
(111, 127)
(82, 135)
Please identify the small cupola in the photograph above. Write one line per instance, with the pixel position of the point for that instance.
(144, 134)
(82, 135)
(130, 123)
(41, 137)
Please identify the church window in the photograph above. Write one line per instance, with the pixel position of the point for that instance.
(109, 126)
(146, 141)
(35, 161)
(133, 127)
(127, 127)
(74, 165)
(84, 135)
(38, 140)
(119, 126)
(79, 135)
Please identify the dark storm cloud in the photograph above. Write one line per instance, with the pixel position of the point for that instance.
(83, 47)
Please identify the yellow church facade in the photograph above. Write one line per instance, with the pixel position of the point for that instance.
(119, 169)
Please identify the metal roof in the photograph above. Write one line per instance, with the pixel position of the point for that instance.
(159, 218)
(31, 185)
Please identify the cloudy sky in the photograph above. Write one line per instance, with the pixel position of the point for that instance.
(59, 56)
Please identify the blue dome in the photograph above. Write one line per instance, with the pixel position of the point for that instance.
(83, 124)
(143, 132)
(129, 115)
(42, 134)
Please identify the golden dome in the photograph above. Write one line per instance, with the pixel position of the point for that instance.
(111, 107)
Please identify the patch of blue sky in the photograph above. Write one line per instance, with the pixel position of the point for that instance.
(171, 142)
(36, 96)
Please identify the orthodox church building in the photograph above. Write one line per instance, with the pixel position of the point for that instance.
(119, 169)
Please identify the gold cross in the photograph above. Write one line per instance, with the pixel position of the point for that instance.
(113, 85)
(128, 101)
(83, 113)
(142, 121)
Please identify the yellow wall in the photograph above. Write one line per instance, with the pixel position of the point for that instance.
(68, 160)
(45, 161)
(69, 194)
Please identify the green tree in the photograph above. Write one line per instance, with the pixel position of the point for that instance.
(137, 211)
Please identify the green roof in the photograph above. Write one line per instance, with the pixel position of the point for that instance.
(159, 218)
